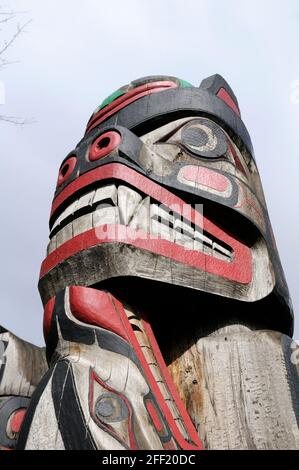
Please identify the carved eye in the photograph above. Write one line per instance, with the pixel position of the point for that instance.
(66, 170)
(111, 408)
(204, 138)
(103, 145)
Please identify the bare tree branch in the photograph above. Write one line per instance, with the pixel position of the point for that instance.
(16, 120)
(7, 16)
(18, 31)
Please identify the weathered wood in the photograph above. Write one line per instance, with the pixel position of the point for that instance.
(241, 388)
(22, 366)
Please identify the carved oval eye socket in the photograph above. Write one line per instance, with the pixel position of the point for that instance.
(204, 138)
(66, 170)
(111, 408)
(103, 145)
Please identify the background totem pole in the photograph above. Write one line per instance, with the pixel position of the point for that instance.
(167, 317)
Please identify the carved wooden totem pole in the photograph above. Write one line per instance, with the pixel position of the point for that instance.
(167, 315)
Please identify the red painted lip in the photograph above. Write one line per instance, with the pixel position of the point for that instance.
(239, 269)
(128, 98)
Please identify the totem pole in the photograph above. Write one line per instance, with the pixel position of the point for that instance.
(167, 317)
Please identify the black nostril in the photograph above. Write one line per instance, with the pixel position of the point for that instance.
(67, 169)
(64, 169)
(103, 143)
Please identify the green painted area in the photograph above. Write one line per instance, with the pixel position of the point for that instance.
(120, 92)
(185, 84)
(109, 99)
(112, 97)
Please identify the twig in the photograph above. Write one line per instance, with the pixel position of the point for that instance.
(19, 30)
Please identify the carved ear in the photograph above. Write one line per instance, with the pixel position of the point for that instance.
(216, 85)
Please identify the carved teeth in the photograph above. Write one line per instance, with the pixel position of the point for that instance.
(161, 223)
(106, 194)
(128, 201)
(161, 215)
(184, 234)
(70, 210)
(163, 231)
(153, 365)
(141, 219)
(112, 206)
(85, 200)
(64, 235)
(220, 252)
(105, 215)
(82, 224)
(52, 245)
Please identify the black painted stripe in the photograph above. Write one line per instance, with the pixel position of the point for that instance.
(26, 425)
(72, 425)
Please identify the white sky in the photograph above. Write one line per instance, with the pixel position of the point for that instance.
(76, 53)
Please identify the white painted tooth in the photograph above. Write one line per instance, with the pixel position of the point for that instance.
(128, 200)
(162, 231)
(70, 209)
(199, 236)
(184, 228)
(197, 245)
(185, 235)
(184, 240)
(220, 252)
(82, 224)
(107, 194)
(155, 370)
(164, 390)
(176, 416)
(207, 250)
(142, 339)
(85, 200)
(221, 249)
(64, 234)
(74, 206)
(58, 220)
(173, 408)
(105, 215)
(51, 245)
(149, 356)
(141, 219)
(160, 213)
(220, 256)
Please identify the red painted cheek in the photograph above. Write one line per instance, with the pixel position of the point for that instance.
(17, 420)
(103, 145)
(205, 177)
(48, 312)
(66, 170)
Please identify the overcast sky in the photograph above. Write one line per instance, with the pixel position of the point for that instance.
(75, 53)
